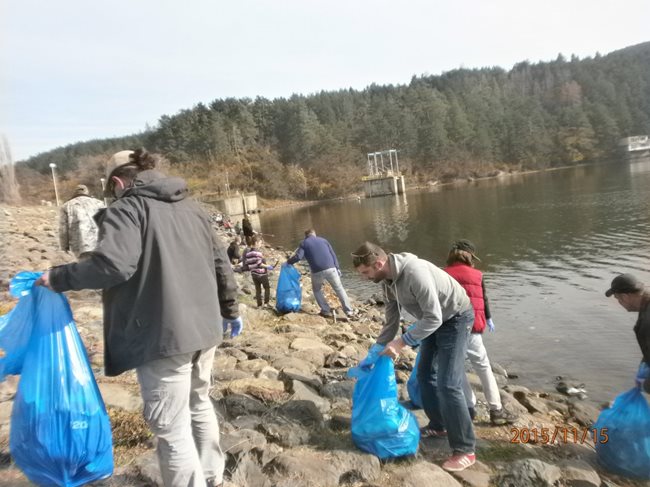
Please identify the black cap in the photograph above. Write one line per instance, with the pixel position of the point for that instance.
(467, 246)
(624, 283)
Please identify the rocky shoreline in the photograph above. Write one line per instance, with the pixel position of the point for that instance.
(284, 401)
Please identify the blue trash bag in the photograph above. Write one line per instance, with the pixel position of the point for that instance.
(380, 424)
(365, 366)
(624, 448)
(60, 431)
(413, 386)
(16, 326)
(288, 296)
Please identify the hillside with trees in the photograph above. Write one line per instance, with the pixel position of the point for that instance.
(465, 122)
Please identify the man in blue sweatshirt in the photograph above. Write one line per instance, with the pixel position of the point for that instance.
(324, 266)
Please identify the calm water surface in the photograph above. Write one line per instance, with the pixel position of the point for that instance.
(550, 243)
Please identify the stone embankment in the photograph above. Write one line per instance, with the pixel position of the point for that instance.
(284, 401)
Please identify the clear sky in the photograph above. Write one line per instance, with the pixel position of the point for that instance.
(75, 70)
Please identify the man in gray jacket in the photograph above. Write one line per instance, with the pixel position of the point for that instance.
(77, 227)
(167, 289)
(444, 319)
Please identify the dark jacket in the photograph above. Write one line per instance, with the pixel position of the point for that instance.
(318, 252)
(166, 278)
(472, 281)
(642, 328)
(233, 251)
(247, 228)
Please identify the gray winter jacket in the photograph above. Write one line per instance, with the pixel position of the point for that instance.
(166, 278)
(425, 291)
(77, 227)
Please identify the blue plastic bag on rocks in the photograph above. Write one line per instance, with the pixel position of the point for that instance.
(60, 431)
(624, 447)
(412, 385)
(380, 424)
(288, 296)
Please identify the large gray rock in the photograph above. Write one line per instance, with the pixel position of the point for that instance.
(289, 374)
(325, 469)
(335, 390)
(476, 476)
(584, 414)
(252, 366)
(293, 363)
(310, 345)
(423, 474)
(285, 432)
(249, 474)
(237, 405)
(264, 389)
(577, 473)
(302, 392)
(119, 396)
(302, 412)
(241, 442)
(530, 473)
(531, 403)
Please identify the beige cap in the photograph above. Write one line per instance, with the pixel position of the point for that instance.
(118, 159)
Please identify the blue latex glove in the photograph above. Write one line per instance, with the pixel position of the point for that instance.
(490, 324)
(408, 340)
(236, 326)
(643, 373)
(372, 357)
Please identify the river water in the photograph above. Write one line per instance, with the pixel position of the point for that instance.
(550, 243)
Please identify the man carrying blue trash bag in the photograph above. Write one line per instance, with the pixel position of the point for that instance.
(627, 421)
(167, 288)
(444, 318)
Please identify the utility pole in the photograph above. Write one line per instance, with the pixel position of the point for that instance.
(56, 191)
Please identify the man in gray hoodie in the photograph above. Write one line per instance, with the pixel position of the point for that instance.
(444, 319)
(168, 287)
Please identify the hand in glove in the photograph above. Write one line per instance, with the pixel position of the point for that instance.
(642, 374)
(490, 324)
(236, 326)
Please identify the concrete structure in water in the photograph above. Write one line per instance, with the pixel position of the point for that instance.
(636, 146)
(234, 205)
(383, 179)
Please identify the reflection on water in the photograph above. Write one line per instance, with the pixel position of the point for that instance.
(391, 220)
(549, 242)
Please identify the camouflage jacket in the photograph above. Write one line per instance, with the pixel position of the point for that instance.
(77, 228)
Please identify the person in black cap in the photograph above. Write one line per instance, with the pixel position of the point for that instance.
(632, 295)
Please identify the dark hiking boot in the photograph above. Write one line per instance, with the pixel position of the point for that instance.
(499, 417)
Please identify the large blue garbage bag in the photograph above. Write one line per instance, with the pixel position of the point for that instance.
(380, 424)
(17, 325)
(60, 431)
(624, 447)
(412, 385)
(288, 296)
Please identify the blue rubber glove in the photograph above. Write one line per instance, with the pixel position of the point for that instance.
(406, 337)
(372, 357)
(236, 326)
(490, 324)
(643, 373)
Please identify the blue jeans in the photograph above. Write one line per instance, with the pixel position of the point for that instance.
(440, 375)
(332, 276)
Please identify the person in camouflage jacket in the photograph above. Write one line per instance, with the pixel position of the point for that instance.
(77, 227)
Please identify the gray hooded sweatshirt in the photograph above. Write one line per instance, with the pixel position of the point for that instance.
(166, 278)
(425, 291)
